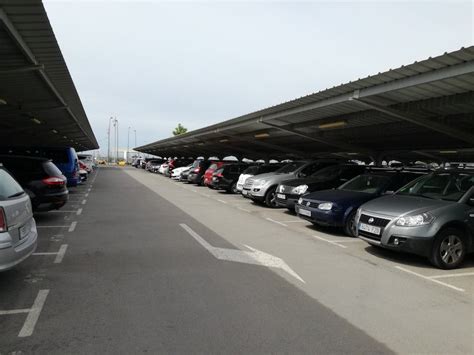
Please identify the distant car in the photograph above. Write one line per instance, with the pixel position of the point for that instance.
(432, 216)
(256, 170)
(176, 173)
(88, 160)
(153, 165)
(40, 179)
(289, 191)
(176, 163)
(196, 174)
(337, 207)
(262, 188)
(226, 177)
(208, 174)
(84, 166)
(18, 234)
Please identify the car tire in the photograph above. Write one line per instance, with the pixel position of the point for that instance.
(233, 189)
(449, 249)
(349, 226)
(270, 197)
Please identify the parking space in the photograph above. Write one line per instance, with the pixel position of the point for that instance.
(27, 289)
(460, 280)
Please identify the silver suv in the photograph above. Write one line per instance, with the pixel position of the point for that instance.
(18, 235)
(262, 187)
(433, 216)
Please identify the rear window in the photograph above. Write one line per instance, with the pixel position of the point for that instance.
(51, 169)
(8, 185)
(213, 166)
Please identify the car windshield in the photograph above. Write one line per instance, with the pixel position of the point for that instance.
(252, 170)
(367, 183)
(331, 172)
(290, 167)
(447, 186)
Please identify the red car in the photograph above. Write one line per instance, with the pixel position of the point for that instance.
(208, 174)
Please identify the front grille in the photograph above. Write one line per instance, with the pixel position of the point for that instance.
(370, 235)
(311, 204)
(378, 222)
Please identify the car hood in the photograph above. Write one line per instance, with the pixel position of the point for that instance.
(276, 177)
(397, 205)
(341, 197)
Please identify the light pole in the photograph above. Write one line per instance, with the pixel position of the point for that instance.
(116, 124)
(128, 142)
(108, 141)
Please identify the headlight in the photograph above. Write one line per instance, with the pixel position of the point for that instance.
(413, 221)
(326, 206)
(300, 201)
(280, 188)
(299, 190)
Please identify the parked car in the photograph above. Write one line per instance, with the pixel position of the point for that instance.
(256, 170)
(338, 207)
(177, 163)
(18, 234)
(176, 173)
(262, 188)
(226, 177)
(64, 158)
(289, 191)
(183, 177)
(153, 165)
(208, 174)
(196, 175)
(432, 216)
(88, 160)
(163, 168)
(40, 179)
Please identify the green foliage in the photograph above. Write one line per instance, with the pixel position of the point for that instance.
(180, 129)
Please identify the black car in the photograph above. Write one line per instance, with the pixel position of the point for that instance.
(196, 174)
(226, 177)
(41, 180)
(289, 191)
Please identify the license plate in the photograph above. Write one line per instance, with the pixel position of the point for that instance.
(24, 230)
(245, 192)
(283, 197)
(370, 229)
(304, 212)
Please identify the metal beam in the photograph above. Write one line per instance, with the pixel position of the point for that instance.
(423, 122)
(22, 69)
(343, 146)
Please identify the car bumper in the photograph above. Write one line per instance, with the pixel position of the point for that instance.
(289, 201)
(10, 256)
(414, 240)
(323, 218)
(50, 201)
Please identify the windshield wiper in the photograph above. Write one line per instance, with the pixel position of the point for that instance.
(421, 195)
(17, 194)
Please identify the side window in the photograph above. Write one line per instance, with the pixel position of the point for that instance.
(310, 169)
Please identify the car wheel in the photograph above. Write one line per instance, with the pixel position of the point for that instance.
(350, 225)
(449, 249)
(270, 197)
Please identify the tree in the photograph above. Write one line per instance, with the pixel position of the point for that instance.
(179, 130)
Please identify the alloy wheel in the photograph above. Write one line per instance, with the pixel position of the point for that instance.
(451, 249)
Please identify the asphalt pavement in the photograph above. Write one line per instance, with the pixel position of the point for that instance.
(142, 275)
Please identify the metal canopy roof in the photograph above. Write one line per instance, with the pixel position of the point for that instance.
(424, 109)
(39, 104)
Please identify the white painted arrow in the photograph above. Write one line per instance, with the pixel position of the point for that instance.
(255, 256)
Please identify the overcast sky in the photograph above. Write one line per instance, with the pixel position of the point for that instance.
(155, 64)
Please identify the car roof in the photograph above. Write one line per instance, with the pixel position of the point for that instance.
(7, 156)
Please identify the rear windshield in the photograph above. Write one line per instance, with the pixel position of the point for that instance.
(51, 169)
(213, 166)
(196, 163)
(290, 167)
(8, 186)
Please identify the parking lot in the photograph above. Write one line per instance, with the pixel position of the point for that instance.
(284, 279)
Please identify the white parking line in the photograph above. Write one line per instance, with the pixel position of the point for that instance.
(60, 254)
(51, 226)
(353, 240)
(79, 211)
(84, 202)
(297, 221)
(329, 241)
(33, 314)
(14, 311)
(72, 226)
(277, 222)
(244, 209)
(429, 279)
(222, 201)
(452, 275)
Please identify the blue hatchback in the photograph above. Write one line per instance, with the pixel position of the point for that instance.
(66, 160)
(338, 207)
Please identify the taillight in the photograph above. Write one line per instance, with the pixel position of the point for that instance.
(53, 181)
(220, 175)
(3, 220)
(197, 170)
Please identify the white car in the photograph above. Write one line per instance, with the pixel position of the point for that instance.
(255, 170)
(176, 173)
(163, 168)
